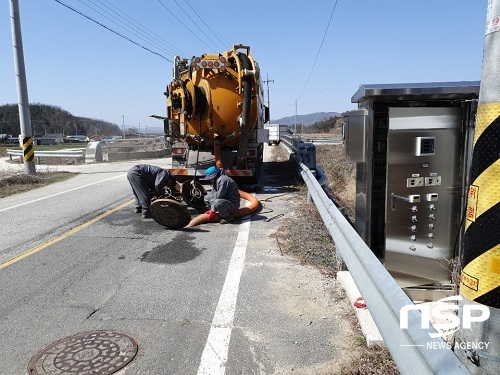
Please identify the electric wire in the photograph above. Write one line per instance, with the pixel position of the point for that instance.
(183, 24)
(224, 44)
(194, 23)
(143, 29)
(120, 23)
(113, 31)
(319, 50)
(315, 60)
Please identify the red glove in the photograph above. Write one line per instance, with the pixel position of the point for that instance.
(211, 215)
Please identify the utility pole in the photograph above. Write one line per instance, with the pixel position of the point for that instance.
(480, 276)
(295, 130)
(123, 125)
(268, 101)
(22, 90)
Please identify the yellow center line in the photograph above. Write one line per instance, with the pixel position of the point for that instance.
(69, 233)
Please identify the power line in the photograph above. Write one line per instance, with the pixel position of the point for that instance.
(113, 31)
(194, 23)
(202, 20)
(183, 24)
(315, 60)
(141, 28)
(120, 23)
(319, 50)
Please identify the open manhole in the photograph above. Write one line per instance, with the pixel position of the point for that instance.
(89, 353)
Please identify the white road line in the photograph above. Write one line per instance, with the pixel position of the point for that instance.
(214, 357)
(56, 194)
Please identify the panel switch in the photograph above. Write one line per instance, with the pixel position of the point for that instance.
(414, 198)
(431, 197)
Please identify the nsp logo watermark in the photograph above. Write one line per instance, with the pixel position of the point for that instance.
(444, 311)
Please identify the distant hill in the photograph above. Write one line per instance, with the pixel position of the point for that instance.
(309, 119)
(48, 119)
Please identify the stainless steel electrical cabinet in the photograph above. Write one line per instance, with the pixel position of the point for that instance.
(411, 173)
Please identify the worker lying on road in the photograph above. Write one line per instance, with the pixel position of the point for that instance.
(148, 180)
(224, 198)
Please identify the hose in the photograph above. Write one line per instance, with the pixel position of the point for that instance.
(253, 205)
(247, 106)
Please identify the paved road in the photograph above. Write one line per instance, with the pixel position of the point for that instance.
(214, 299)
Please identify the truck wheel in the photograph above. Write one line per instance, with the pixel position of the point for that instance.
(193, 193)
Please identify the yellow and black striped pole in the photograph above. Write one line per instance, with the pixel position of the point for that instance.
(22, 90)
(28, 149)
(480, 279)
(479, 345)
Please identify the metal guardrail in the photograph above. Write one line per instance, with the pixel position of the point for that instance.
(106, 150)
(73, 154)
(290, 142)
(413, 349)
(322, 138)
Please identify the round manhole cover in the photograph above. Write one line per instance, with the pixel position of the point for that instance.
(90, 353)
(170, 214)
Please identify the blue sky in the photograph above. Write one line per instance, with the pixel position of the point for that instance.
(73, 63)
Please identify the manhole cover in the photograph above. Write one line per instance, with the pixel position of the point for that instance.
(170, 213)
(90, 353)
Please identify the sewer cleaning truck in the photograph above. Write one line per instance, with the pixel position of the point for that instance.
(216, 115)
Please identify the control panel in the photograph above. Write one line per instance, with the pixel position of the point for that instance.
(421, 190)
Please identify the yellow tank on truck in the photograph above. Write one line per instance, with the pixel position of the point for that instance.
(215, 99)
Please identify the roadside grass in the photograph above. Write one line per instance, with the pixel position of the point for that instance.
(374, 360)
(12, 182)
(15, 182)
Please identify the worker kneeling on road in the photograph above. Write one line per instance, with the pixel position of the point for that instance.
(145, 181)
(224, 198)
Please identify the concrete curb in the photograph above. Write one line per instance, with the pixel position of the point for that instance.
(368, 326)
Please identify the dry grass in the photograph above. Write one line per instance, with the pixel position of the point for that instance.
(341, 177)
(374, 360)
(19, 182)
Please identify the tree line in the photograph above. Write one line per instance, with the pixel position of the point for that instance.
(49, 119)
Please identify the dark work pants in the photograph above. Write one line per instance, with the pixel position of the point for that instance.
(140, 188)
